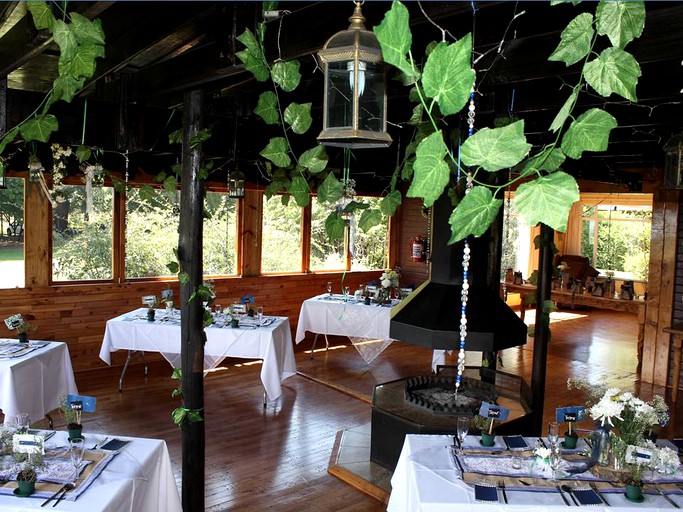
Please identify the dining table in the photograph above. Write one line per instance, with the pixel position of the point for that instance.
(433, 474)
(34, 376)
(268, 339)
(118, 473)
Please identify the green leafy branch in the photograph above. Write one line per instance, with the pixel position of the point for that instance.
(203, 291)
(181, 414)
(446, 81)
(81, 43)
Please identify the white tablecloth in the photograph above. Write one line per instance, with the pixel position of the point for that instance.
(33, 383)
(425, 480)
(138, 479)
(271, 343)
(367, 326)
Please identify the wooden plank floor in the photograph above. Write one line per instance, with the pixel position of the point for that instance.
(276, 458)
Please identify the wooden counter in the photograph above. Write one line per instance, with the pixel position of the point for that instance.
(676, 331)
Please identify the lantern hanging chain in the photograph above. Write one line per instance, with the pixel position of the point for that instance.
(85, 117)
(508, 204)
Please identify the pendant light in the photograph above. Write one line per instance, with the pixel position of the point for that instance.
(355, 101)
(235, 177)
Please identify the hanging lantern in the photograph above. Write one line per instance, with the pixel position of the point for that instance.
(673, 162)
(236, 184)
(2, 174)
(355, 102)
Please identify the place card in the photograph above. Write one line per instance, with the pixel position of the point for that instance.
(497, 412)
(587, 497)
(484, 492)
(81, 403)
(114, 445)
(570, 414)
(515, 443)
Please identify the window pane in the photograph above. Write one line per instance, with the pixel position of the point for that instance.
(220, 234)
(152, 222)
(588, 240)
(12, 234)
(325, 254)
(281, 236)
(369, 250)
(82, 234)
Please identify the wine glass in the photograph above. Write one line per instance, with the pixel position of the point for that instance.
(555, 462)
(347, 292)
(329, 287)
(22, 423)
(218, 311)
(76, 450)
(553, 433)
(463, 427)
(259, 314)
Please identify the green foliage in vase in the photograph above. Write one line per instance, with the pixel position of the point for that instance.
(442, 87)
(81, 43)
(295, 175)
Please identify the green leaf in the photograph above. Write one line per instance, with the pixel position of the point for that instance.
(448, 76)
(277, 151)
(170, 184)
(408, 169)
(330, 190)
(39, 128)
(41, 14)
(8, 138)
(178, 415)
(274, 187)
(355, 205)
(266, 108)
(195, 416)
(63, 88)
(496, 148)
(64, 37)
(286, 75)
(253, 58)
(83, 62)
(177, 373)
(395, 38)
(589, 132)
(548, 160)
(298, 116)
(369, 219)
(547, 199)
(85, 30)
(173, 267)
(390, 203)
(334, 226)
(314, 159)
(575, 41)
(176, 137)
(83, 153)
(431, 173)
(620, 21)
(474, 214)
(176, 392)
(207, 318)
(416, 118)
(300, 191)
(183, 277)
(564, 112)
(284, 199)
(614, 71)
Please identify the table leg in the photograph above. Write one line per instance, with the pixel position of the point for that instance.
(315, 340)
(125, 366)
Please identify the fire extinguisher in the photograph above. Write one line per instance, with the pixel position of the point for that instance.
(417, 248)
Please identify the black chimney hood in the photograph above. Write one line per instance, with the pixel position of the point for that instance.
(430, 316)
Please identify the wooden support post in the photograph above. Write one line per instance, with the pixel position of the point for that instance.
(192, 332)
(542, 329)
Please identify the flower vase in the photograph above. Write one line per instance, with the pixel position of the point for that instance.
(23, 337)
(488, 439)
(150, 315)
(634, 493)
(601, 441)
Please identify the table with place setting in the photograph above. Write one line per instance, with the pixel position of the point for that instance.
(33, 376)
(435, 474)
(365, 324)
(268, 338)
(113, 473)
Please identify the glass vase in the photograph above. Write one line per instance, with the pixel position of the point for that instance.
(601, 443)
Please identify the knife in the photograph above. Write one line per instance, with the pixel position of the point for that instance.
(561, 492)
(53, 496)
(672, 502)
(501, 483)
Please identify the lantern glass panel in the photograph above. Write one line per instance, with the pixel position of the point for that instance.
(339, 97)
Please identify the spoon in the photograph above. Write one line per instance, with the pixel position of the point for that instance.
(67, 487)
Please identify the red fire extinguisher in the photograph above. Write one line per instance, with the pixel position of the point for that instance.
(417, 248)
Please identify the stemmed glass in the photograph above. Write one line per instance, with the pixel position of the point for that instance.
(329, 287)
(553, 434)
(347, 292)
(22, 423)
(555, 461)
(259, 315)
(463, 427)
(76, 450)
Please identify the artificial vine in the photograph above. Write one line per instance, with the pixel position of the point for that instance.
(442, 86)
(181, 414)
(289, 173)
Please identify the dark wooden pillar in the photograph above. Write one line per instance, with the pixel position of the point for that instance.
(193, 336)
(542, 329)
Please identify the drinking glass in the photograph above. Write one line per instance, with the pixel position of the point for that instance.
(259, 314)
(463, 427)
(347, 292)
(218, 311)
(22, 423)
(76, 450)
(555, 461)
(329, 287)
(553, 433)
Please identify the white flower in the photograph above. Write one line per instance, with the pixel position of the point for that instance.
(667, 457)
(542, 452)
(608, 407)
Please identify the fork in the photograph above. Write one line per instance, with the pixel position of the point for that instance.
(501, 484)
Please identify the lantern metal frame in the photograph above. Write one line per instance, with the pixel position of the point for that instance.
(3, 172)
(356, 56)
(235, 182)
(673, 162)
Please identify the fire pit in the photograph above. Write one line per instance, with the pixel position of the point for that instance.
(437, 395)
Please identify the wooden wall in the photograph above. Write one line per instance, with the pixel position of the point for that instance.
(411, 223)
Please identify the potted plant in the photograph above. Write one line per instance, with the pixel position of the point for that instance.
(570, 437)
(634, 483)
(152, 304)
(20, 325)
(485, 425)
(26, 479)
(72, 418)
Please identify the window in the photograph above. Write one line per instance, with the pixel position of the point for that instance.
(152, 222)
(281, 236)
(367, 250)
(82, 234)
(615, 234)
(220, 234)
(12, 234)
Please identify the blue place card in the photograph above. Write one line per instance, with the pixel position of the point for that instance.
(494, 411)
(587, 497)
(486, 493)
(574, 413)
(81, 403)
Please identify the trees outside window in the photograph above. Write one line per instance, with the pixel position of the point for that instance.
(220, 234)
(281, 236)
(12, 234)
(326, 254)
(369, 249)
(82, 234)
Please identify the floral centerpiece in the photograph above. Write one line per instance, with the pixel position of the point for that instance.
(20, 325)
(389, 282)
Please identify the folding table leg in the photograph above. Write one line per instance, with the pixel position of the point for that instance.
(141, 353)
(315, 339)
